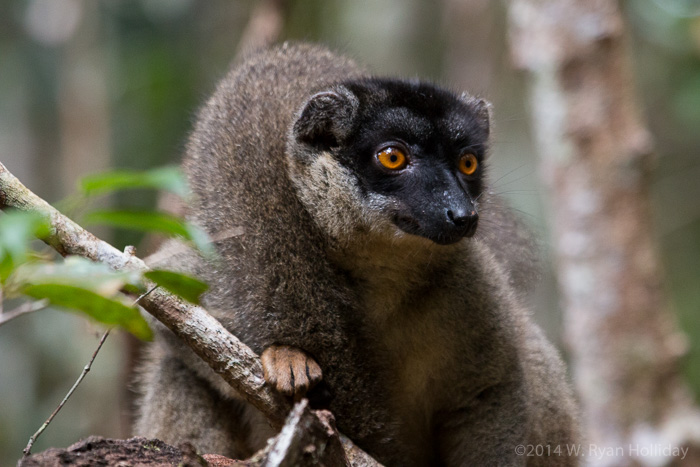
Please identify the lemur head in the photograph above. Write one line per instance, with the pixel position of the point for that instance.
(391, 156)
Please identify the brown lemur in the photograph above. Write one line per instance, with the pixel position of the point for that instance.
(344, 212)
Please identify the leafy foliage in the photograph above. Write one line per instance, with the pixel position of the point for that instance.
(72, 271)
(110, 311)
(17, 230)
(79, 284)
(151, 221)
(140, 220)
(185, 286)
(168, 178)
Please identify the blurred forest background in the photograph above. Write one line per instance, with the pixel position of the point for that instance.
(87, 86)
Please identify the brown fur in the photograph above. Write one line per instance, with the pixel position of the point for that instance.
(427, 355)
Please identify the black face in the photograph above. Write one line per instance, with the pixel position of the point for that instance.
(419, 145)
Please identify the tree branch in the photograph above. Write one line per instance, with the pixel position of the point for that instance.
(23, 309)
(229, 357)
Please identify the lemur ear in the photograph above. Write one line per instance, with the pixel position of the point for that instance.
(482, 110)
(326, 118)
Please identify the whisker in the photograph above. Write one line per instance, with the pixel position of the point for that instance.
(516, 180)
(493, 183)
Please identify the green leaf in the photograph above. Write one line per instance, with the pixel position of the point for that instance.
(149, 221)
(182, 285)
(74, 271)
(80, 284)
(17, 230)
(105, 310)
(168, 178)
(152, 221)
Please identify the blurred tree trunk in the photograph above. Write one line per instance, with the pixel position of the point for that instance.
(83, 102)
(596, 160)
(471, 31)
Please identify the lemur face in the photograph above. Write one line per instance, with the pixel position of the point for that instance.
(417, 147)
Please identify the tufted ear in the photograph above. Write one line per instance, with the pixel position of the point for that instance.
(481, 108)
(326, 118)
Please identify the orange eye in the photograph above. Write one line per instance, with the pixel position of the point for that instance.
(468, 164)
(392, 158)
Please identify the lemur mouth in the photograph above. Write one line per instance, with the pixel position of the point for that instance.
(439, 236)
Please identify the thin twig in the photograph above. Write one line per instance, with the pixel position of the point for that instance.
(144, 294)
(23, 309)
(27, 450)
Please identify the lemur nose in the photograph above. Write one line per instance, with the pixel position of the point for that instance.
(464, 220)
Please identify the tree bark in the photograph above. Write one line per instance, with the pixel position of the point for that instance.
(307, 438)
(596, 158)
(96, 450)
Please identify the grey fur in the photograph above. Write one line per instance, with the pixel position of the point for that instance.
(428, 355)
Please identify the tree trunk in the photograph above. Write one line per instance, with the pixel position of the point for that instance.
(596, 160)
